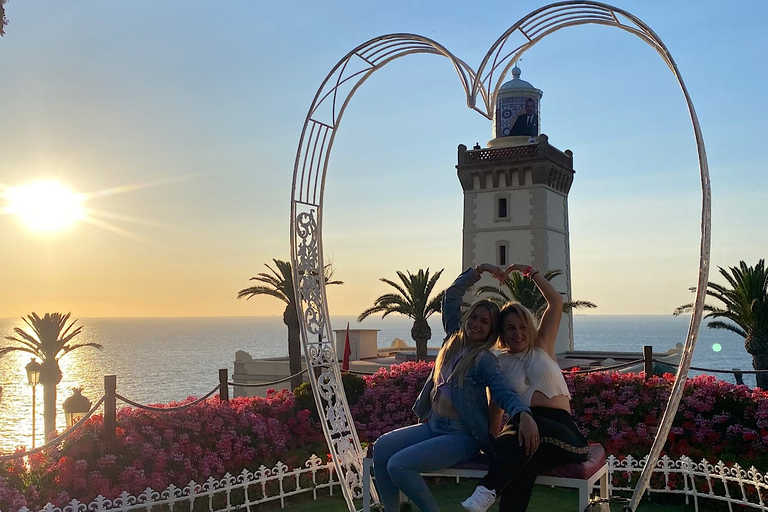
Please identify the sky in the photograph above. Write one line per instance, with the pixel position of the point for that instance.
(181, 122)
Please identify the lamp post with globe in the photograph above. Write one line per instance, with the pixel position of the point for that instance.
(33, 376)
(75, 407)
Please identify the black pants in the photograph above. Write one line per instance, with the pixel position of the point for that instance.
(513, 473)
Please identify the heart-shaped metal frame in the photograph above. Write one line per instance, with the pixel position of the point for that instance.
(311, 167)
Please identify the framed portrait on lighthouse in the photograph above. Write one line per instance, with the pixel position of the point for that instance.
(518, 116)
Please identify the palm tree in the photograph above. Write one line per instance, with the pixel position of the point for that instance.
(746, 305)
(413, 301)
(517, 287)
(279, 284)
(50, 341)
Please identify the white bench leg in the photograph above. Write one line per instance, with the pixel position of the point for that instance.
(583, 495)
(604, 485)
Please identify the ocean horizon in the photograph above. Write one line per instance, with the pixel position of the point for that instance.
(165, 359)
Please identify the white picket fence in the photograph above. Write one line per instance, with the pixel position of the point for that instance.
(225, 494)
(733, 485)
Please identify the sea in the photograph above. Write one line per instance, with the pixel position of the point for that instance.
(161, 360)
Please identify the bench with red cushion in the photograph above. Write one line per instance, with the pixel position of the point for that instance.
(579, 475)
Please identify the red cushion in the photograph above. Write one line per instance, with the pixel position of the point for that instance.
(581, 470)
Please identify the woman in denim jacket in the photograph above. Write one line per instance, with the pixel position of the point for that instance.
(453, 404)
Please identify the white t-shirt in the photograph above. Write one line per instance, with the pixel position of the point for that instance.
(533, 371)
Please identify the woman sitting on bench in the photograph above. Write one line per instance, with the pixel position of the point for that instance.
(530, 363)
(453, 403)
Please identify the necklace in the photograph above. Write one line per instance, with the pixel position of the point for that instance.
(526, 360)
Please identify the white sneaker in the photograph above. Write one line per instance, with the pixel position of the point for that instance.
(481, 500)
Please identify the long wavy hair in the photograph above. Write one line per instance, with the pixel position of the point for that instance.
(523, 314)
(458, 341)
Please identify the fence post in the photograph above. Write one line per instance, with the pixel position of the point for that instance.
(223, 386)
(738, 376)
(110, 408)
(648, 361)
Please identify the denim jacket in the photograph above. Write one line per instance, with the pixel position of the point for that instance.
(470, 400)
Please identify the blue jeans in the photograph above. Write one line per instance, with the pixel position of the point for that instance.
(399, 456)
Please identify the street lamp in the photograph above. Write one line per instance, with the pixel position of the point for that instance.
(75, 407)
(33, 376)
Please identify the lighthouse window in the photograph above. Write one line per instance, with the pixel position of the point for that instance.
(502, 255)
(500, 205)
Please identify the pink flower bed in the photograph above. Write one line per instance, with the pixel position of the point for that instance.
(716, 420)
(388, 397)
(156, 449)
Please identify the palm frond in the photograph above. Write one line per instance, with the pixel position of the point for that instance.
(279, 283)
(578, 304)
(744, 300)
(717, 324)
(436, 304)
(64, 339)
(412, 298)
(8, 350)
(402, 291)
(261, 290)
(70, 348)
(31, 344)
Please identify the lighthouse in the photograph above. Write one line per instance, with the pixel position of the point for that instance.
(516, 195)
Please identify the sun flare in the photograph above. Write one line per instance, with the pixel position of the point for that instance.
(45, 205)
(48, 206)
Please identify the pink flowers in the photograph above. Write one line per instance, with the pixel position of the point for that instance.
(716, 420)
(155, 449)
(387, 400)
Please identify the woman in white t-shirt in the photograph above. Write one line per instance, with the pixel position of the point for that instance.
(529, 362)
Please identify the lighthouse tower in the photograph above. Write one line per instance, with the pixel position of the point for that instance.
(516, 195)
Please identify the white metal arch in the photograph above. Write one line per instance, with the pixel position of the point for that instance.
(309, 173)
(311, 165)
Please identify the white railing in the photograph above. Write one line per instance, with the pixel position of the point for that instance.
(731, 484)
(225, 494)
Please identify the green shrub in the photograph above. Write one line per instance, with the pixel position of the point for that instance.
(354, 386)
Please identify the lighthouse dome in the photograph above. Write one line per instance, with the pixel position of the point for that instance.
(517, 84)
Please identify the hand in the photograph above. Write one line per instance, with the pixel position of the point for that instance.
(520, 268)
(493, 269)
(528, 434)
(513, 268)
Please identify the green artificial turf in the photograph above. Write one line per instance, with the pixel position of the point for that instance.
(449, 496)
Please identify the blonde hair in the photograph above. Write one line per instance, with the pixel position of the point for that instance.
(458, 341)
(524, 315)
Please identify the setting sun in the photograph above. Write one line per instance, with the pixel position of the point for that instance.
(45, 205)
